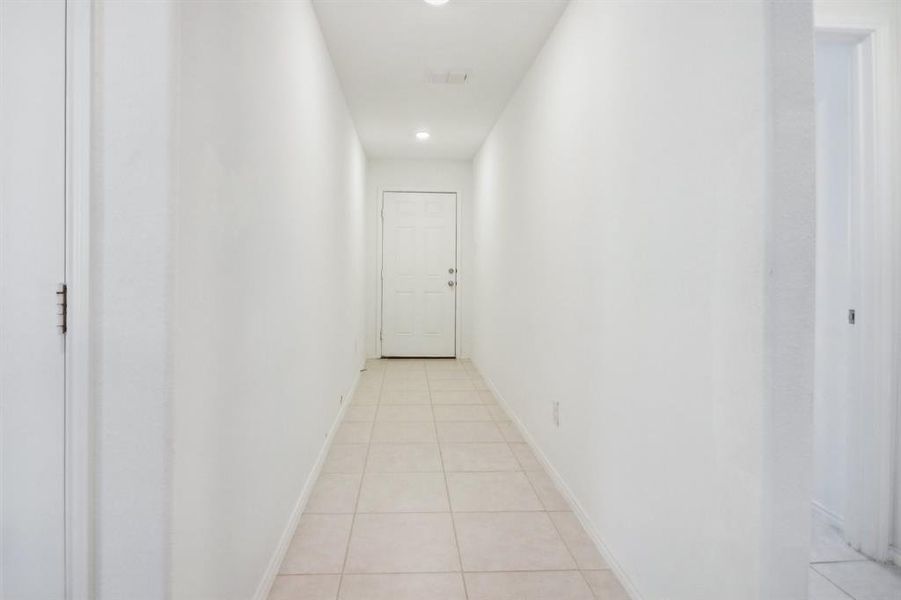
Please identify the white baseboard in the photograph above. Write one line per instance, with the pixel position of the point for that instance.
(832, 517)
(268, 579)
(562, 486)
(895, 555)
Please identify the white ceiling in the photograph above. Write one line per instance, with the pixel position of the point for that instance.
(383, 50)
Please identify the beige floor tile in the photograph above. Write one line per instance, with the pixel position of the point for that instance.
(605, 585)
(334, 493)
(479, 492)
(360, 413)
(345, 458)
(434, 364)
(486, 397)
(449, 412)
(370, 377)
(404, 458)
(305, 587)
(459, 397)
(418, 383)
(403, 493)
(416, 586)
(318, 545)
(468, 432)
(369, 386)
(362, 398)
(497, 413)
(515, 541)
(402, 543)
(400, 413)
(547, 492)
(402, 365)
(478, 457)
(451, 385)
(353, 433)
(404, 433)
(446, 374)
(536, 585)
(578, 542)
(405, 397)
(479, 383)
(510, 432)
(526, 457)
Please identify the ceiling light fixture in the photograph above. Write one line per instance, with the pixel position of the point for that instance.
(423, 135)
(436, 2)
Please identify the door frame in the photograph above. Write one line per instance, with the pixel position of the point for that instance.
(79, 469)
(876, 231)
(380, 225)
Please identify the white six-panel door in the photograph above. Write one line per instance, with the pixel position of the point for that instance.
(419, 279)
(32, 265)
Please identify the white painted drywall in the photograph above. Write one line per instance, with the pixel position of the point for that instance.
(832, 399)
(418, 176)
(884, 16)
(131, 212)
(268, 296)
(643, 252)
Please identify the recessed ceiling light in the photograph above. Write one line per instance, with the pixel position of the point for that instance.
(423, 135)
(436, 2)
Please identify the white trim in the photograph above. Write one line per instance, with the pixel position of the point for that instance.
(78, 425)
(567, 493)
(461, 268)
(268, 579)
(833, 518)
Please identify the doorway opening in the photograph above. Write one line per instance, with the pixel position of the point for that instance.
(855, 536)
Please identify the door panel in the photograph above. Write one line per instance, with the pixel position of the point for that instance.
(32, 265)
(419, 254)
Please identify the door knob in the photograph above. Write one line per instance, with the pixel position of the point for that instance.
(451, 284)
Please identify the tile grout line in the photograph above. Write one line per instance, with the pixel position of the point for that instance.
(353, 519)
(837, 586)
(450, 508)
(553, 523)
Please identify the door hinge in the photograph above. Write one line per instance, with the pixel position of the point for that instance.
(381, 336)
(62, 307)
(852, 316)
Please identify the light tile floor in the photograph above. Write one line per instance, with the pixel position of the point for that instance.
(837, 572)
(430, 493)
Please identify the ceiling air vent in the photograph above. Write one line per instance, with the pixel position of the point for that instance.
(448, 77)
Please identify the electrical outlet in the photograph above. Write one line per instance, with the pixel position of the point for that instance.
(556, 413)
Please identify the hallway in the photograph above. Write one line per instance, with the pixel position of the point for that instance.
(427, 477)
(231, 232)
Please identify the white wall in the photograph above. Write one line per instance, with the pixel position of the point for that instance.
(131, 212)
(268, 298)
(419, 176)
(651, 182)
(884, 16)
